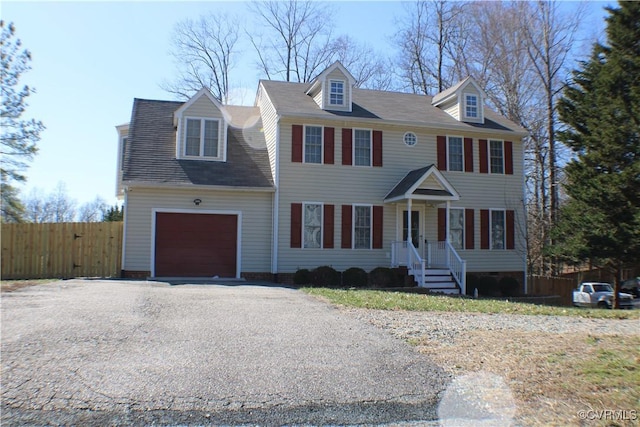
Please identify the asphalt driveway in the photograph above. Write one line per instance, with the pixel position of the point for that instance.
(91, 352)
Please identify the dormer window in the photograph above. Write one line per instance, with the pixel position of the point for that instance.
(202, 138)
(336, 92)
(471, 106)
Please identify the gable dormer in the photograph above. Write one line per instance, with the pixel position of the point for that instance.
(201, 128)
(333, 88)
(463, 101)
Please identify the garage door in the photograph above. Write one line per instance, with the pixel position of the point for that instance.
(196, 245)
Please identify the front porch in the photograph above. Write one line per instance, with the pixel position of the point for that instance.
(433, 263)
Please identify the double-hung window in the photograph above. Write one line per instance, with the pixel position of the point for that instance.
(202, 138)
(336, 92)
(362, 227)
(498, 234)
(496, 156)
(471, 106)
(362, 147)
(456, 228)
(312, 227)
(313, 144)
(455, 151)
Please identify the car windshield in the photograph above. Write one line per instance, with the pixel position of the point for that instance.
(602, 287)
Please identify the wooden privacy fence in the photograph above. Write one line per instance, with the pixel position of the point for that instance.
(62, 250)
(544, 286)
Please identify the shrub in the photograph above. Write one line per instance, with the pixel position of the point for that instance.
(355, 277)
(509, 286)
(302, 277)
(488, 286)
(382, 277)
(326, 277)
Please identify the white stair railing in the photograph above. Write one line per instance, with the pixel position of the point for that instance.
(440, 254)
(457, 266)
(403, 253)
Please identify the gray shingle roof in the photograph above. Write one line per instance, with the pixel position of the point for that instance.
(447, 92)
(290, 99)
(151, 150)
(407, 182)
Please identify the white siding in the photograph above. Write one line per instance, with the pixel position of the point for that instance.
(256, 222)
(318, 98)
(337, 184)
(269, 124)
(452, 109)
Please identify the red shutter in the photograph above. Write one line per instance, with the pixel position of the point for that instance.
(442, 152)
(296, 143)
(468, 155)
(442, 225)
(296, 225)
(508, 157)
(346, 148)
(346, 226)
(484, 229)
(329, 145)
(484, 159)
(469, 229)
(377, 148)
(327, 237)
(511, 244)
(377, 227)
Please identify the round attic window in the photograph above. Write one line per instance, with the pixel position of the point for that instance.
(410, 139)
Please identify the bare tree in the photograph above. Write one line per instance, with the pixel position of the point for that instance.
(53, 207)
(427, 31)
(36, 207)
(370, 69)
(550, 36)
(505, 51)
(93, 211)
(297, 44)
(204, 51)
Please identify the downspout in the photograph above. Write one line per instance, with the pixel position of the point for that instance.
(125, 209)
(276, 206)
(526, 225)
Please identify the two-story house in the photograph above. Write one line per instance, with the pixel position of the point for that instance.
(323, 173)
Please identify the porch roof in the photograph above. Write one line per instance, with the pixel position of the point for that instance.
(417, 185)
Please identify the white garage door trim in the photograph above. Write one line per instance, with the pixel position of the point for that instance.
(155, 211)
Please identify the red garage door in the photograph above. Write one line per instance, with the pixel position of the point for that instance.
(196, 245)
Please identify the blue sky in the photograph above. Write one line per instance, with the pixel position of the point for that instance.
(90, 59)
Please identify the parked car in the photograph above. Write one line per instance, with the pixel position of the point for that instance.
(594, 294)
(631, 286)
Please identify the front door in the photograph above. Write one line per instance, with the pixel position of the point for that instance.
(415, 227)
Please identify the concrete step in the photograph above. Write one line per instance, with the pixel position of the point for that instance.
(437, 271)
(444, 285)
(439, 278)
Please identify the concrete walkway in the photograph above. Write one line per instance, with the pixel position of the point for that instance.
(95, 352)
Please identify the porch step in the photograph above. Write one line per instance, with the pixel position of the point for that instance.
(440, 280)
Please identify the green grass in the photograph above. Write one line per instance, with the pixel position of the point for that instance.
(384, 300)
(615, 368)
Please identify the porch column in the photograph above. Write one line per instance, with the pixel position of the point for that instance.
(408, 220)
(408, 233)
(447, 221)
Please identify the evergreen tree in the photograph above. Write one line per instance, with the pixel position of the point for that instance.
(600, 221)
(114, 213)
(19, 136)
